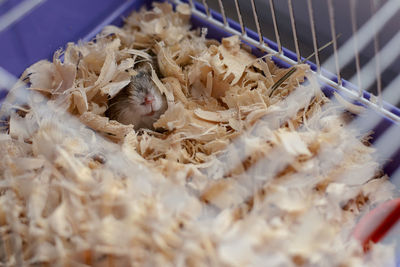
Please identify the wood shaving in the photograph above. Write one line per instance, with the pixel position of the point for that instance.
(235, 177)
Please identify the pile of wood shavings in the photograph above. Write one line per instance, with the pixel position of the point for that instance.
(237, 179)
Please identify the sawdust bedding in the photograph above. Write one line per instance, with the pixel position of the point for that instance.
(239, 176)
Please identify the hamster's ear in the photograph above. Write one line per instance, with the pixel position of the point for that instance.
(145, 67)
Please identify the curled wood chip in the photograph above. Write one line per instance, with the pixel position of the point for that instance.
(80, 101)
(107, 70)
(172, 85)
(41, 75)
(137, 52)
(183, 9)
(167, 65)
(223, 193)
(175, 117)
(59, 221)
(216, 116)
(216, 146)
(164, 90)
(18, 128)
(356, 109)
(65, 73)
(293, 143)
(103, 124)
(28, 164)
(233, 58)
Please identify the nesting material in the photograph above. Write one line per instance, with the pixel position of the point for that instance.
(237, 177)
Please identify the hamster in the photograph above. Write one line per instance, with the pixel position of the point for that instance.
(139, 103)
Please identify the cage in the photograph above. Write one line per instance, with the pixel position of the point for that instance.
(359, 64)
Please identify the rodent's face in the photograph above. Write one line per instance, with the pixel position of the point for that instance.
(144, 96)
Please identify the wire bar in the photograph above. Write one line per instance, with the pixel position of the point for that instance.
(333, 34)
(206, 8)
(365, 34)
(278, 38)
(314, 35)
(374, 4)
(253, 6)
(353, 16)
(240, 17)
(387, 54)
(191, 4)
(222, 9)
(293, 24)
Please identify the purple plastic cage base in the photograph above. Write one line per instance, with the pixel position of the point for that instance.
(116, 18)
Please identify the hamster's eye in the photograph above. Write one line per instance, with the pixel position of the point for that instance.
(140, 74)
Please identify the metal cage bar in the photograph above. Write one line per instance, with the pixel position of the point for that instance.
(314, 35)
(277, 36)
(353, 16)
(222, 9)
(294, 31)
(239, 14)
(374, 4)
(334, 39)
(206, 8)
(253, 6)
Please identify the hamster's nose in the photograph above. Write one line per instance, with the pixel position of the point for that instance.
(149, 99)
